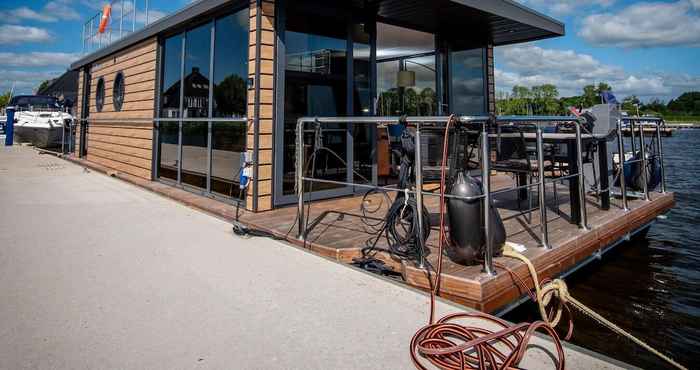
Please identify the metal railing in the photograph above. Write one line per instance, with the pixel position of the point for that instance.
(643, 160)
(420, 123)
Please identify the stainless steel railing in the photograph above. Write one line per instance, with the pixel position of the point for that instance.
(419, 123)
(635, 123)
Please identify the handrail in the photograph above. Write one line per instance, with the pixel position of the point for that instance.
(419, 123)
(157, 120)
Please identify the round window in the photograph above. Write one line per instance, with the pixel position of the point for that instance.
(118, 92)
(100, 95)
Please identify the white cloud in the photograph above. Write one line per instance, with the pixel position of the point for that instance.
(563, 7)
(11, 34)
(24, 81)
(62, 9)
(53, 11)
(528, 65)
(37, 59)
(645, 25)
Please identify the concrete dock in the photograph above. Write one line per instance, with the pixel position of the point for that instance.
(98, 273)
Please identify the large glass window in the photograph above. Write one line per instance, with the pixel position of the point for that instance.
(196, 80)
(172, 67)
(206, 154)
(228, 144)
(467, 74)
(316, 85)
(406, 81)
(230, 66)
(168, 158)
(194, 153)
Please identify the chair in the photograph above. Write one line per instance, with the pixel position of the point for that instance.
(513, 155)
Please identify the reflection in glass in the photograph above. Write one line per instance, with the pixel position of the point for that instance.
(194, 154)
(362, 134)
(228, 144)
(167, 150)
(468, 95)
(389, 103)
(394, 41)
(316, 85)
(196, 81)
(172, 58)
(231, 65)
(418, 99)
(421, 99)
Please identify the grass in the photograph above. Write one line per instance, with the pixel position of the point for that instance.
(686, 119)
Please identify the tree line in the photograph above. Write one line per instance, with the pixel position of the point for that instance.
(545, 100)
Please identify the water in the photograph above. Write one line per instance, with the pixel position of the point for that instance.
(650, 287)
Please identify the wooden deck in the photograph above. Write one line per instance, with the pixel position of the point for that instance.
(341, 236)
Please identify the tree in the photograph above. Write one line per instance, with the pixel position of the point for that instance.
(44, 84)
(4, 99)
(590, 96)
(631, 104)
(687, 103)
(603, 87)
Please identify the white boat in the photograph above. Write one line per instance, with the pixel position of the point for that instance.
(39, 120)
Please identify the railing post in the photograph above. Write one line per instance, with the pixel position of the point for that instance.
(418, 164)
(621, 148)
(660, 155)
(63, 138)
(301, 234)
(485, 182)
(581, 179)
(642, 151)
(541, 189)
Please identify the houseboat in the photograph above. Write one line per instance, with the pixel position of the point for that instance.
(304, 119)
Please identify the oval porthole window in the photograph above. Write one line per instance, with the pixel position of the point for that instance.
(100, 95)
(118, 92)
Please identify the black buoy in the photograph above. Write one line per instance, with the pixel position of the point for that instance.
(466, 222)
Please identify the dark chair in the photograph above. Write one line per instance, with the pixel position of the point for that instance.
(513, 155)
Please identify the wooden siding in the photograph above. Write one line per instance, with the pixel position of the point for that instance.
(121, 146)
(266, 99)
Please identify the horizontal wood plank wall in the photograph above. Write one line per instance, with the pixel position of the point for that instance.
(491, 80)
(266, 83)
(79, 110)
(125, 146)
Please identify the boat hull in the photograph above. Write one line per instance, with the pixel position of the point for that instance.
(41, 137)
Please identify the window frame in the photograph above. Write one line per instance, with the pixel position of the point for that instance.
(100, 94)
(118, 95)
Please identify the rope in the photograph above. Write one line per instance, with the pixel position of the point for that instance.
(558, 288)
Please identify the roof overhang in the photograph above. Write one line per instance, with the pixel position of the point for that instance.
(498, 22)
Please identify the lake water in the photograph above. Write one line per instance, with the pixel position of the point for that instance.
(650, 287)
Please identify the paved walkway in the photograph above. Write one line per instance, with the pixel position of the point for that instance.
(99, 274)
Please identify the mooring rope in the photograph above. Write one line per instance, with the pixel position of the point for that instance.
(558, 288)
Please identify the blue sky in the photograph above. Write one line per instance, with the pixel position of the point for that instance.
(645, 48)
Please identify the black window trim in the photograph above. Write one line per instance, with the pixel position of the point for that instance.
(118, 77)
(100, 94)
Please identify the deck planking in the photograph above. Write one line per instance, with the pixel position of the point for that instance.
(342, 239)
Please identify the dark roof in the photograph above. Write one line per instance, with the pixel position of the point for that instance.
(501, 21)
(66, 85)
